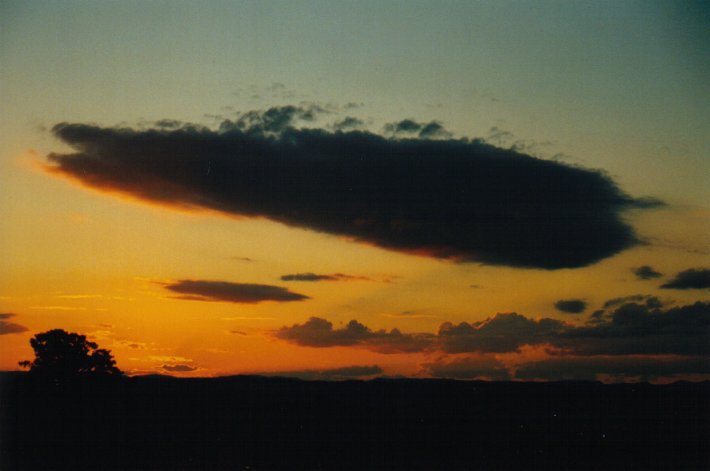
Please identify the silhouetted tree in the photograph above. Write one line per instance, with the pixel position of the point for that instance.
(64, 355)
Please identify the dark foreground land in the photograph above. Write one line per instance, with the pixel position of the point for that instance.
(239, 423)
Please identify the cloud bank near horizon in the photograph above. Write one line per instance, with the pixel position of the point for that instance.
(415, 191)
(627, 340)
(628, 329)
(318, 332)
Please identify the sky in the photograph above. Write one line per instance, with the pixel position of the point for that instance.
(333, 190)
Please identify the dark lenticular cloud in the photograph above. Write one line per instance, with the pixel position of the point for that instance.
(695, 278)
(452, 199)
(646, 272)
(571, 306)
(247, 293)
(7, 327)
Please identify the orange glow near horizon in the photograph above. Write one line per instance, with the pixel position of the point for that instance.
(99, 266)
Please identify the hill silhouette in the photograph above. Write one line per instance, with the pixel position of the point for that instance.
(259, 423)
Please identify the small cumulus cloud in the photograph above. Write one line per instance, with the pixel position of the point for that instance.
(571, 306)
(410, 127)
(348, 123)
(317, 332)
(434, 130)
(7, 327)
(505, 332)
(694, 278)
(224, 291)
(646, 272)
(275, 119)
(648, 300)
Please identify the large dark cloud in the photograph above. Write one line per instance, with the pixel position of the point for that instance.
(453, 199)
(695, 278)
(485, 367)
(646, 272)
(7, 327)
(317, 332)
(571, 306)
(334, 374)
(249, 293)
(643, 368)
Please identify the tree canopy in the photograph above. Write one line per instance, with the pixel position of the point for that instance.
(61, 354)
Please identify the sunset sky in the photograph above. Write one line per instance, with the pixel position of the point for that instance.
(491, 190)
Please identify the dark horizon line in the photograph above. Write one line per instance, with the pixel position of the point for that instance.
(393, 378)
